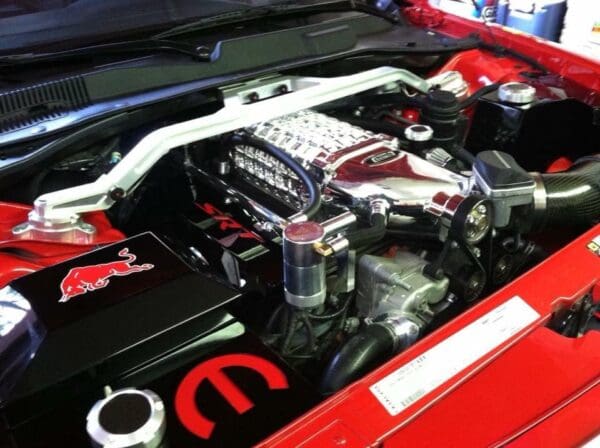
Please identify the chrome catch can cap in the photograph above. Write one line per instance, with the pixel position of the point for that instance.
(298, 241)
(516, 93)
(127, 418)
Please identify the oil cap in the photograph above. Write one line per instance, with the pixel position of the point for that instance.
(127, 418)
(516, 93)
(418, 133)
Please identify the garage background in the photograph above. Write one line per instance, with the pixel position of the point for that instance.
(574, 24)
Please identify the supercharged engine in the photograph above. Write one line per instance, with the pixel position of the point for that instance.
(336, 220)
(356, 165)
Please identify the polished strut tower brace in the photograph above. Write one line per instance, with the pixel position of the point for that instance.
(56, 215)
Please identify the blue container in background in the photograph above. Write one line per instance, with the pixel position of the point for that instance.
(543, 18)
(480, 5)
(466, 8)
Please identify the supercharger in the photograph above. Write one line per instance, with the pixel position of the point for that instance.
(357, 166)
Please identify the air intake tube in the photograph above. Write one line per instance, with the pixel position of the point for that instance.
(362, 353)
(367, 349)
(571, 197)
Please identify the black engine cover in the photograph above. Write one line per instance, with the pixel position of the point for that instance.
(107, 311)
(133, 314)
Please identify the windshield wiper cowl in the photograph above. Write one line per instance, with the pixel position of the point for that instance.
(200, 54)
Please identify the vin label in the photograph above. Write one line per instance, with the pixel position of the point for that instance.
(402, 388)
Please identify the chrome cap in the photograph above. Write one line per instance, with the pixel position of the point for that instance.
(517, 93)
(418, 133)
(127, 418)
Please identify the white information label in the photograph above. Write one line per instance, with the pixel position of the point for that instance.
(402, 388)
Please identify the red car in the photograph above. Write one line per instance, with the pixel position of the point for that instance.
(307, 224)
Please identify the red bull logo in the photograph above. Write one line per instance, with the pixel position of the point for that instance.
(83, 279)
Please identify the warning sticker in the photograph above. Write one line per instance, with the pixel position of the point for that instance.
(405, 386)
(595, 34)
(594, 245)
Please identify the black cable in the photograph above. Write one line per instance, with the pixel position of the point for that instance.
(312, 187)
(497, 48)
(502, 51)
(335, 314)
(478, 94)
(382, 99)
(413, 234)
(274, 316)
(289, 331)
(310, 332)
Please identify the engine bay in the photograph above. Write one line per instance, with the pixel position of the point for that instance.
(331, 222)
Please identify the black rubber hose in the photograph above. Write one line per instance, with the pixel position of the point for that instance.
(289, 331)
(312, 188)
(573, 197)
(368, 235)
(359, 355)
(400, 99)
(468, 102)
(460, 153)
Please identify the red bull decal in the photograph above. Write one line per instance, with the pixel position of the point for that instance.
(83, 279)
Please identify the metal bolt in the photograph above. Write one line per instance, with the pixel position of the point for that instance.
(116, 193)
(253, 97)
(87, 228)
(203, 51)
(264, 226)
(20, 228)
(115, 157)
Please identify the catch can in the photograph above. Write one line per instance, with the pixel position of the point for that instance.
(304, 269)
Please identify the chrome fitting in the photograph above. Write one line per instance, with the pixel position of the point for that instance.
(71, 230)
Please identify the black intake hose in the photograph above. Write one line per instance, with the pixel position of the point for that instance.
(573, 197)
(359, 355)
(312, 187)
(460, 153)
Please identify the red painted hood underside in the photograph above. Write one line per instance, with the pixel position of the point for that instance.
(535, 389)
(538, 387)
